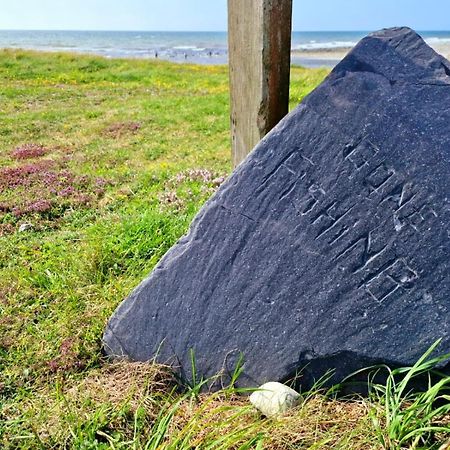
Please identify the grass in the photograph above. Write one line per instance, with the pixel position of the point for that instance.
(413, 418)
(103, 164)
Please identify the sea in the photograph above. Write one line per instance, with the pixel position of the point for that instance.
(181, 47)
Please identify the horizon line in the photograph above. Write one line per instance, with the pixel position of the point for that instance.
(197, 31)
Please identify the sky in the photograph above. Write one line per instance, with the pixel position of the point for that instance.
(211, 15)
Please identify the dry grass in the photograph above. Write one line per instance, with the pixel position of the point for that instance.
(117, 398)
(123, 382)
(110, 396)
(127, 404)
(317, 423)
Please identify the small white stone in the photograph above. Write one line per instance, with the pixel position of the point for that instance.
(25, 226)
(274, 398)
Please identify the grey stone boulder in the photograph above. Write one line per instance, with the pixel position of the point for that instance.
(328, 247)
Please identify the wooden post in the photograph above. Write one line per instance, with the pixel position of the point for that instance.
(259, 52)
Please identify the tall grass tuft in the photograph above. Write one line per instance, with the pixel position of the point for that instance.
(408, 418)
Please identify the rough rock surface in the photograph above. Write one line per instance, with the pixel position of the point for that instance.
(329, 246)
(274, 398)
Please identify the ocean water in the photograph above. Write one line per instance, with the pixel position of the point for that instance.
(198, 47)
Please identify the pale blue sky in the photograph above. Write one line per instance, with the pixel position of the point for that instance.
(210, 15)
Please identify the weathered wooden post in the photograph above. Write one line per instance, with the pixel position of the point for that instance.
(259, 50)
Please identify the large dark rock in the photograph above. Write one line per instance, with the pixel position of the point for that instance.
(329, 246)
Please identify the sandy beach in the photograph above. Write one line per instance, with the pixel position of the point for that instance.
(442, 48)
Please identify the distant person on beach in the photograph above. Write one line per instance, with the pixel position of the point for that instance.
(156, 54)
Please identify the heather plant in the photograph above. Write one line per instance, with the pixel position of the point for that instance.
(193, 185)
(46, 189)
(29, 151)
(118, 128)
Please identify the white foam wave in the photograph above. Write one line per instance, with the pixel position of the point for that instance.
(437, 40)
(313, 45)
(184, 47)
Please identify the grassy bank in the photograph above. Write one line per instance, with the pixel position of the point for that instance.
(103, 164)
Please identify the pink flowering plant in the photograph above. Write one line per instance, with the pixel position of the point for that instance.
(43, 188)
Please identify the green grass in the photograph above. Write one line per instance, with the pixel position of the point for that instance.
(409, 417)
(107, 162)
